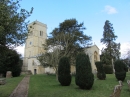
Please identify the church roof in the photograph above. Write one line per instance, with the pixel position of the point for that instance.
(39, 23)
(93, 46)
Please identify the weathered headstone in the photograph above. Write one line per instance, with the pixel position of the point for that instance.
(120, 83)
(117, 91)
(128, 82)
(8, 74)
(2, 81)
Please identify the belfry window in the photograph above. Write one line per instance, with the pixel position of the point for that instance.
(30, 42)
(41, 33)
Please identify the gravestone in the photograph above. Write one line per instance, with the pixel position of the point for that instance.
(2, 81)
(8, 74)
(128, 82)
(117, 91)
(120, 83)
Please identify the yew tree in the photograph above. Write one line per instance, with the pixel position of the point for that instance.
(84, 77)
(64, 76)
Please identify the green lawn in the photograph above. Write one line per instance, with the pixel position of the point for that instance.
(48, 86)
(11, 84)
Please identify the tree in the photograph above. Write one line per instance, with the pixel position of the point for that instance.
(10, 61)
(84, 77)
(100, 70)
(13, 28)
(50, 59)
(112, 49)
(64, 76)
(68, 38)
(120, 70)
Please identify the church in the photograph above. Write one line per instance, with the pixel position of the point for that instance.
(34, 47)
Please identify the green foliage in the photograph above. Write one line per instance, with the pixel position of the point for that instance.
(10, 61)
(108, 69)
(108, 33)
(50, 59)
(100, 71)
(13, 28)
(69, 38)
(112, 49)
(120, 75)
(84, 77)
(64, 76)
(66, 40)
(13, 32)
(120, 70)
(126, 68)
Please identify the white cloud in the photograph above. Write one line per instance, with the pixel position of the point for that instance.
(125, 47)
(20, 50)
(110, 10)
(101, 46)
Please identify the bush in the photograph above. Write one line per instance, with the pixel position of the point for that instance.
(100, 71)
(16, 70)
(108, 69)
(120, 70)
(64, 76)
(120, 75)
(126, 68)
(84, 77)
(10, 61)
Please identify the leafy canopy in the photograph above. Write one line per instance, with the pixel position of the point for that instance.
(69, 35)
(13, 28)
(66, 40)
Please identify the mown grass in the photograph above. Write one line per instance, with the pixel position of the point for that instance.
(48, 86)
(11, 84)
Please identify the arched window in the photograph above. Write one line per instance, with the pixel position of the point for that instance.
(95, 56)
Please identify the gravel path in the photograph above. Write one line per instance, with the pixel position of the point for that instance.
(22, 89)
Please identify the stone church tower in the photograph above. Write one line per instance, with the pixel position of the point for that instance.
(34, 47)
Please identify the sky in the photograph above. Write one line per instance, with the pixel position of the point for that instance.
(93, 13)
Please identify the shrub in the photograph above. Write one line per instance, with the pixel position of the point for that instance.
(120, 70)
(126, 68)
(10, 61)
(16, 70)
(120, 75)
(84, 77)
(108, 69)
(64, 76)
(100, 71)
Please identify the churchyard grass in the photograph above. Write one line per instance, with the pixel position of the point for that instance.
(9, 86)
(48, 86)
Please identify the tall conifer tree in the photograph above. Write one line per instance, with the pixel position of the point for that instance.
(112, 48)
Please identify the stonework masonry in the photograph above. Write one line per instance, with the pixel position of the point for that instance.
(34, 46)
